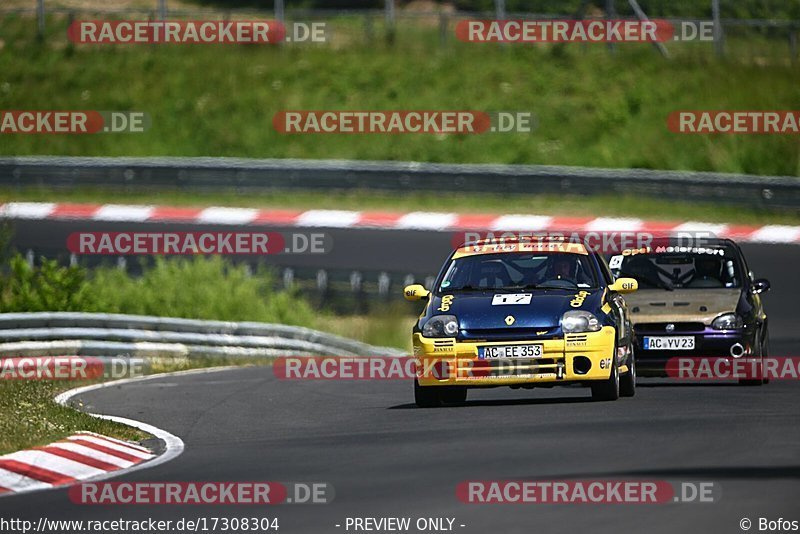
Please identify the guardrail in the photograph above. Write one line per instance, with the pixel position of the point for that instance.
(252, 175)
(135, 336)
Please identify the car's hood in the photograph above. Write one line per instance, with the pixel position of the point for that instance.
(681, 305)
(543, 308)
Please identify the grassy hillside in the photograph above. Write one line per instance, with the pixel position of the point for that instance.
(593, 108)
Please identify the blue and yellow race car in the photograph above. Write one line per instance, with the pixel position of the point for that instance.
(523, 313)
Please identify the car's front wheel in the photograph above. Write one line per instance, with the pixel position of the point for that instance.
(608, 389)
(435, 396)
(426, 397)
(454, 395)
(760, 377)
(627, 382)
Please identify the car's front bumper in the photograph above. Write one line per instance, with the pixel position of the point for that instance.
(567, 359)
(709, 343)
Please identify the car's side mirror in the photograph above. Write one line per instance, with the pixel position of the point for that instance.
(624, 285)
(761, 285)
(416, 292)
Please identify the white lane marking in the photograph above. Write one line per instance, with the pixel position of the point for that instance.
(120, 212)
(16, 482)
(114, 446)
(228, 215)
(57, 464)
(426, 220)
(328, 218)
(701, 228)
(612, 224)
(776, 233)
(521, 223)
(27, 210)
(93, 453)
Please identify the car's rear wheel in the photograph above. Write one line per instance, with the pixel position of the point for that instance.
(608, 389)
(627, 382)
(427, 397)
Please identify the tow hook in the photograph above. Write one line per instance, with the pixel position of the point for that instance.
(560, 371)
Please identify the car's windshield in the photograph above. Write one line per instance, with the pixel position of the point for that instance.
(519, 271)
(681, 268)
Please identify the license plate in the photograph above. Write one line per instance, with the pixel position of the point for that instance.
(669, 343)
(510, 351)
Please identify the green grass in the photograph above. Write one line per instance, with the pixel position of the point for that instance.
(388, 327)
(29, 416)
(593, 108)
(622, 206)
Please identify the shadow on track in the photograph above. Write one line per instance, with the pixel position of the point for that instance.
(640, 384)
(500, 402)
(732, 472)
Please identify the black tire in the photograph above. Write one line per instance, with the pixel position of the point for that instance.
(627, 382)
(454, 395)
(427, 397)
(608, 389)
(758, 381)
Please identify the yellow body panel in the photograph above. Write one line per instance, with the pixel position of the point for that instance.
(462, 356)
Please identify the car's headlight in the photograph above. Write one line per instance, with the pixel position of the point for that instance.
(727, 321)
(441, 326)
(576, 321)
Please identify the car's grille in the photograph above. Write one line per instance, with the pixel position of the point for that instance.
(505, 367)
(508, 334)
(662, 327)
(576, 338)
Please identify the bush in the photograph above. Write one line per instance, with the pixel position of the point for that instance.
(48, 287)
(195, 288)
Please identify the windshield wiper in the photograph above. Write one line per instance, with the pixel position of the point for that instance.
(517, 288)
(462, 288)
(537, 286)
